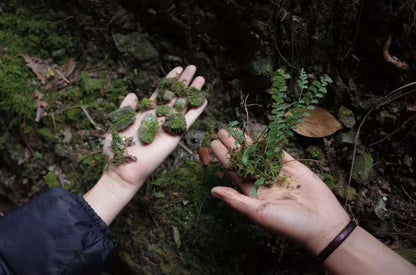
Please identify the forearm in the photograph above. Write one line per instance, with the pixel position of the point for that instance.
(110, 195)
(361, 253)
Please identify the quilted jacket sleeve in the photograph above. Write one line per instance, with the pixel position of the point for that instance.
(55, 233)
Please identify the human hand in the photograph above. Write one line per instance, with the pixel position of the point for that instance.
(307, 212)
(150, 156)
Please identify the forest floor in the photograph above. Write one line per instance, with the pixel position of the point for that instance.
(89, 56)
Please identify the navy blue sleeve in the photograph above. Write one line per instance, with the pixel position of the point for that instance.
(55, 233)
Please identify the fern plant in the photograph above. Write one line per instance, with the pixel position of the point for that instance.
(261, 161)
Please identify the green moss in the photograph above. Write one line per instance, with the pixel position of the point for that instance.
(163, 110)
(175, 124)
(363, 167)
(119, 149)
(315, 152)
(196, 98)
(164, 96)
(51, 180)
(91, 85)
(46, 133)
(122, 118)
(146, 104)
(180, 105)
(148, 129)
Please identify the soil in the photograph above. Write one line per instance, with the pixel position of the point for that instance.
(174, 226)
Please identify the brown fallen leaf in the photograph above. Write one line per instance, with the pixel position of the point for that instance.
(320, 123)
(41, 68)
(204, 155)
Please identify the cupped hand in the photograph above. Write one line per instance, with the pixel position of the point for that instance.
(150, 156)
(307, 211)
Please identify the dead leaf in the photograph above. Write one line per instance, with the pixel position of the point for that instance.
(41, 68)
(204, 155)
(58, 77)
(320, 123)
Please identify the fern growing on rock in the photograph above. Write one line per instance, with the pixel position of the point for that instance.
(261, 161)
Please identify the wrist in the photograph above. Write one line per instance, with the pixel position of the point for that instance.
(318, 242)
(110, 195)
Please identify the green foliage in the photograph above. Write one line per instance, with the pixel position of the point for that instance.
(262, 160)
(51, 180)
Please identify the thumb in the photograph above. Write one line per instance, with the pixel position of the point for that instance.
(248, 206)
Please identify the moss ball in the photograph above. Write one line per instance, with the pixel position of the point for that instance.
(180, 104)
(163, 110)
(175, 124)
(146, 104)
(164, 96)
(196, 98)
(148, 129)
(122, 118)
(179, 89)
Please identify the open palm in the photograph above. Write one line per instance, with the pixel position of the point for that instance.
(150, 156)
(306, 211)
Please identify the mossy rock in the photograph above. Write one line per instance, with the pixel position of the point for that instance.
(346, 116)
(122, 118)
(164, 96)
(180, 105)
(146, 104)
(148, 129)
(175, 124)
(363, 167)
(163, 110)
(196, 98)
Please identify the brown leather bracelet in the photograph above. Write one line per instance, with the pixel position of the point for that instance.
(338, 240)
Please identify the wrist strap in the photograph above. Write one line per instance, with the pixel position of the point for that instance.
(338, 240)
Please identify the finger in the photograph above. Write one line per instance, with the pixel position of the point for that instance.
(173, 73)
(193, 114)
(187, 75)
(243, 204)
(129, 100)
(229, 142)
(221, 153)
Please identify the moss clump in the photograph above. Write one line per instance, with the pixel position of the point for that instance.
(146, 104)
(163, 110)
(148, 129)
(196, 98)
(175, 85)
(118, 146)
(180, 105)
(164, 96)
(51, 180)
(122, 118)
(175, 124)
